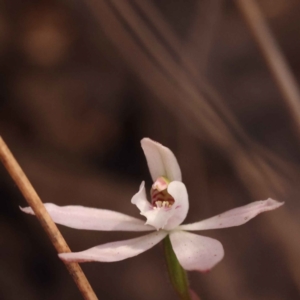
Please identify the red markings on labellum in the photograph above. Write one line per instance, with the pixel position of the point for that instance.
(163, 198)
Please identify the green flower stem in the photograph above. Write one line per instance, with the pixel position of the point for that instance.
(177, 274)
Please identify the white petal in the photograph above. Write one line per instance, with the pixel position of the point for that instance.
(181, 205)
(80, 217)
(117, 250)
(140, 199)
(234, 217)
(196, 252)
(158, 217)
(161, 160)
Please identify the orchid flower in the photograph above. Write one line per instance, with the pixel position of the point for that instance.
(164, 214)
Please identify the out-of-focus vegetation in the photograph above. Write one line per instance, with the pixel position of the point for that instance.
(84, 81)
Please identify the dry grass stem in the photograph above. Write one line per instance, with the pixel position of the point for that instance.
(44, 218)
(204, 93)
(201, 33)
(275, 60)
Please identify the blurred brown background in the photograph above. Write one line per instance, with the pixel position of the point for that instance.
(84, 81)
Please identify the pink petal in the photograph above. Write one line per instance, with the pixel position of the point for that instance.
(234, 217)
(161, 160)
(193, 295)
(80, 217)
(180, 207)
(196, 252)
(117, 250)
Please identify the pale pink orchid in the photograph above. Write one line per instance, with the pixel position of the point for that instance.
(167, 210)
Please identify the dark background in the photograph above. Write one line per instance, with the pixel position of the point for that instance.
(83, 81)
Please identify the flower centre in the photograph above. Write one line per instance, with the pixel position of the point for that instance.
(159, 194)
(161, 199)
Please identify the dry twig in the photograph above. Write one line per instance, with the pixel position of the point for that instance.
(44, 218)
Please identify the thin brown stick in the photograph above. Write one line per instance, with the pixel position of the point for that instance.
(273, 56)
(44, 218)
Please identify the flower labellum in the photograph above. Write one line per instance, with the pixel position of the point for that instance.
(164, 214)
